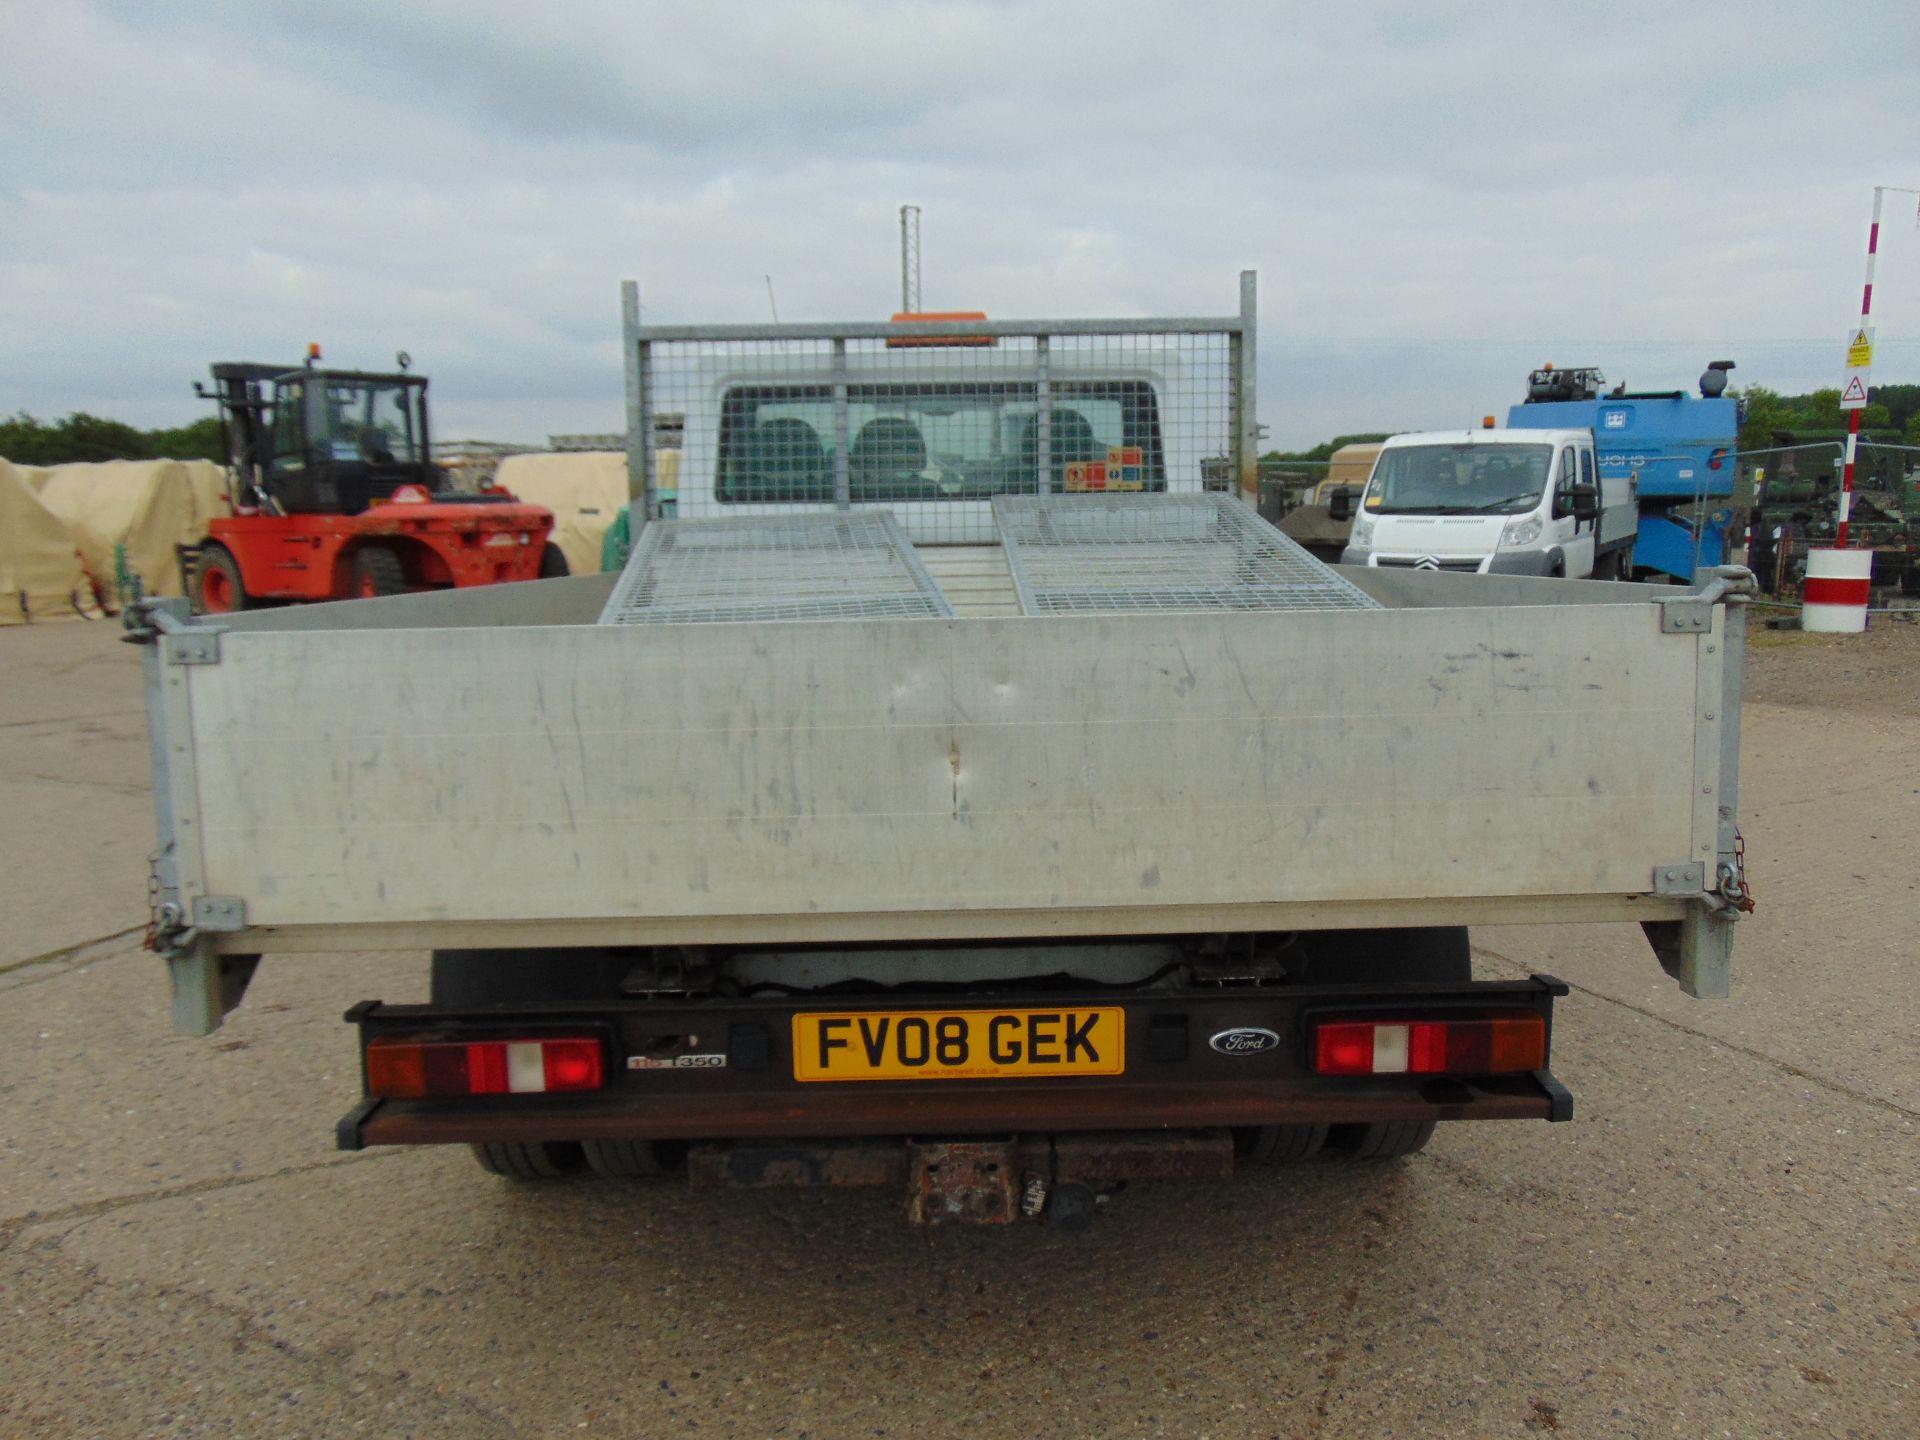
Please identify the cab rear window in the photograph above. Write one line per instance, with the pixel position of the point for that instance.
(936, 441)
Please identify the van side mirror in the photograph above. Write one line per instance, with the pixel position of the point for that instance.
(1340, 503)
(1585, 500)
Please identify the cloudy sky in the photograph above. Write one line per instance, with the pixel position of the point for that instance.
(1436, 197)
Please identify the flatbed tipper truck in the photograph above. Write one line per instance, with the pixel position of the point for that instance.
(765, 860)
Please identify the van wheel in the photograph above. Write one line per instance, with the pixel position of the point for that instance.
(1385, 1140)
(537, 1160)
(1277, 1144)
(633, 1159)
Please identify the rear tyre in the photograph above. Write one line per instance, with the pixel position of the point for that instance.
(537, 1160)
(553, 563)
(1277, 1144)
(217, 586)
(1384, 1140)
(376, 572)
(632, 1159)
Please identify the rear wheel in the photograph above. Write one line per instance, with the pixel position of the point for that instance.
(1277, 1144)
(553, 563)
(1428, 955)
(217, 586)
(1384, 1140)
(376, 572)
(536, 1160)
(633, 1159)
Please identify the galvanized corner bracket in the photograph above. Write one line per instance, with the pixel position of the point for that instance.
(1684, 878)
(1686, 615)
(151, 616)
(219, 912)
(170, 623)
(1691, 613)
(190, 647)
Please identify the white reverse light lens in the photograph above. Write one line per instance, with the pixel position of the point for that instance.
(1390, 1049)
(526, 1068)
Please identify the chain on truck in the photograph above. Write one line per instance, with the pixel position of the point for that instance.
(959, 789)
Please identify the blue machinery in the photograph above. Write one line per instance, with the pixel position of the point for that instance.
(1678, 448)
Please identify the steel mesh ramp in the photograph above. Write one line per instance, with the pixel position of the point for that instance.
(848, 564)
(1111, 553)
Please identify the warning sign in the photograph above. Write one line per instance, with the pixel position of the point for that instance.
(1860, 349)
(1854, 395)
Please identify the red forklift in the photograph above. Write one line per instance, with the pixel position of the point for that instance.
(335, 496)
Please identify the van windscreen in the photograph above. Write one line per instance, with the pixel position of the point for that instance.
(950, 441)
(1458, 479)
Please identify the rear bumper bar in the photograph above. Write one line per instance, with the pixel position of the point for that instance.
(985, 1109)
(1173, 1080)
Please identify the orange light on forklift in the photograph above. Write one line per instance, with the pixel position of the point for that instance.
(1486, 422)
(313, 350)
(1486, 1045)
(411, 1068)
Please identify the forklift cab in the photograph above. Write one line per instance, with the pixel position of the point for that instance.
(331, 442)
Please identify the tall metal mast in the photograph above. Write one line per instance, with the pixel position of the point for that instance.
(910, 258)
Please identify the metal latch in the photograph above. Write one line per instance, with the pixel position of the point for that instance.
(219, 912)
(1686, 877)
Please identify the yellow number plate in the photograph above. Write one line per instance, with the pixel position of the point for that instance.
(958, 1044)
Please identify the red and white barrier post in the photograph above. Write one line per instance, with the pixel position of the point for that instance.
(1835, 600)
(1839, 580)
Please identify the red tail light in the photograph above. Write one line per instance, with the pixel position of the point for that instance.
(407, 1069)
(1496, 1045)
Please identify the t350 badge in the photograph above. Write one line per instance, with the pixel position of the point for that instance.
(1245, 1040)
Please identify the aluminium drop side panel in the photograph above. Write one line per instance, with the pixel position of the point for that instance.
(908, 779)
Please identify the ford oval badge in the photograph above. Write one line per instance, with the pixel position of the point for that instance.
(1246, 1040)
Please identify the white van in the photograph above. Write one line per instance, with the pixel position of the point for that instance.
(934, 434)
(1518, 502)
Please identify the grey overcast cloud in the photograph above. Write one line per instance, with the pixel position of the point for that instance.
(1436, 197)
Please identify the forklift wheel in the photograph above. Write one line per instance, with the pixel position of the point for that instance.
(217, 588)
(376, 572)
(553, 563)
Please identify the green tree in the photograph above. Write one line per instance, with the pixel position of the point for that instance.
(1766, 413)
(1324, 450)
(202, 440)
(1822, 410)
(82, 437)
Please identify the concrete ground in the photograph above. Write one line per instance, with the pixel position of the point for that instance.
(1723, 1243)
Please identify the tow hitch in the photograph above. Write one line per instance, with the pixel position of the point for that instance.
(1060, 1179)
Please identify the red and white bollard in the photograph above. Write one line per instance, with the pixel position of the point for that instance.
(1835, 600)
